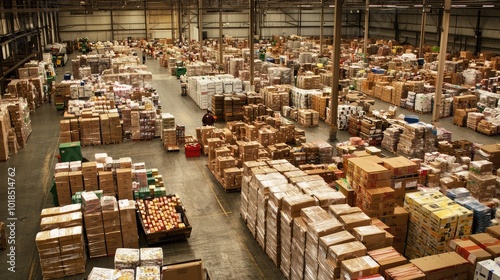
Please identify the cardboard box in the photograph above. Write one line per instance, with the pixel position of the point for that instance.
(487, 242)
(494, 231)
(192, 270)
(487, 270)
(469, 251)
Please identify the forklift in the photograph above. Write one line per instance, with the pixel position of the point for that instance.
(180, 69)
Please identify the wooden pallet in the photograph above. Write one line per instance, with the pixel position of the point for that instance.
(456, 124)
(173, 148)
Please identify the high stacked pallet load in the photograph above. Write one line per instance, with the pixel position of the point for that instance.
(473, 120)
(435, 220)
(391, 138)
(481, 183)
(63, 187)
(128, 223)
(445, 265)
(124, 183)
(218, 105)
(4, 133)
(94, 226)
(61, 251)
(168, 129)
(416, 140)
(405, 177)
(20, 119)
(111, 222)
(89, 172)
(308, 118)
(371, 131)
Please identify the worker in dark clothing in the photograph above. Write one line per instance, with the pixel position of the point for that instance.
(144, 57)
(208, 119)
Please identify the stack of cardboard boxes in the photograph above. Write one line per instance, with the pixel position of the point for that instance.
(112, 224)
(94, 227)
(128, 223)
(124, 183)
(405, 176)
(89, 172)
(61, 252)
(63, 188)
(434, 221)
(308, 118)
(107, 183)
(20, 119)
(65, 134)
(90, 131)
(481, 183)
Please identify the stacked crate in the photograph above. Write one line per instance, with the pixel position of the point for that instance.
(65, 134)
(107, 183)
(308, 118)
(76, 181)
(481, 183)
(473, 120)
(105, 129)
(371, 131)
(319, 104)
(115, 128)
(405, 177)
(63, 188)
(218, 105)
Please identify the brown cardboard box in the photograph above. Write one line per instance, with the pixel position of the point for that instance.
(494, 231)
(192, 270)
(469, 251)
(487, 242)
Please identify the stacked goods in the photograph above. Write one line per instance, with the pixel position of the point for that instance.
(371, 131)
(275, 97)
(410, 100)
(469, 251)
(180, 134)
(487, 269)
(65, 220)
(345, 112)
(490, 153)
(339, 254)
(423, 104)
(325, 151)
(387, 94)
(371, 236)
(359, 267)
(416, 139)
(128, 223)
(20, 119)
(400, 92)
(89, 173)
(405, 177)
(473, 120)
(319, 104)
(319, 224)
(327, 266)
(61, 251)
(148, 273)
(112, 224)
(291, 209)
(487, 127)
(115, 128)
(235, 66)
(309, 81)
(387, 258)
(372, 183)
(482, 213)
(406, 271)
(308, 118)
(443, 266)
(354, 125)
(302, 98)
(218, 105)
(4, 133)
(94, 227)
(273, 220)
(65, 135)
(397, 226)
(297, 261)
(90, 131)
(124, 183)
(434, 221)
(481, 183)
(391, 138)
(63, 188)
(127, 258)
(460, 116)
(106, 183)
(105, 129)
(464, 102)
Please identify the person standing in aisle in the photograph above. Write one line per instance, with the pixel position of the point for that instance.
(208, 119)
(144, 57)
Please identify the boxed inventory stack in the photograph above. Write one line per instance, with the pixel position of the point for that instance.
(61, 251)
(20, 119)
(391, 138)
(124, 183)
(443, 266)
(371, 131)
(405, 177)
(397, 226)
(76, 180)
(63, 188)
(111, 222)
(94, 226)
(128, 223)
(107, 183)
(434, 221)
(481, 183)
(372, 183)
(308, 118)
(89, 172)
(416, 140)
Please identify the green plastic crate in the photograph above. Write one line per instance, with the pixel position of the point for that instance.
(71, 151)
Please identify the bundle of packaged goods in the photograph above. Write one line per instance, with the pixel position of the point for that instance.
(20, 119)
(435, 220)
(163, 219)
(61, 252)
(415, 139)
(487, 269)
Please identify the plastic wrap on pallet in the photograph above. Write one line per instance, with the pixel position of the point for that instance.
(482, 213)
(423, 102)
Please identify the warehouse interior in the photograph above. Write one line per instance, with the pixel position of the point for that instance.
(153, 36)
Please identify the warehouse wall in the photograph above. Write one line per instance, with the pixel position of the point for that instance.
(289, 21)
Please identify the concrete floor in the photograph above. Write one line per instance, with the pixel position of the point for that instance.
(220, 238)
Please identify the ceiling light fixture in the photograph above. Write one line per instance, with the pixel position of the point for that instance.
(488, 6)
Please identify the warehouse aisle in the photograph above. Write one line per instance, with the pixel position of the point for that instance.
(220, 237)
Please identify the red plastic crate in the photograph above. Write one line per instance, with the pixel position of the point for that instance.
(192, 150)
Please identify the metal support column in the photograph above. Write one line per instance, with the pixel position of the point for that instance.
(367, 25)
(396, 26)
(439, 27)
(478, 33)
(179, 18)
(422, 29)
(321, 39)
(334, 98)
(200, 28)
(188, 11)
(221, 54)
(299, 25)
(251, 42)
(172, 24)
(442, 58)
(113, 24)
(146, 21)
